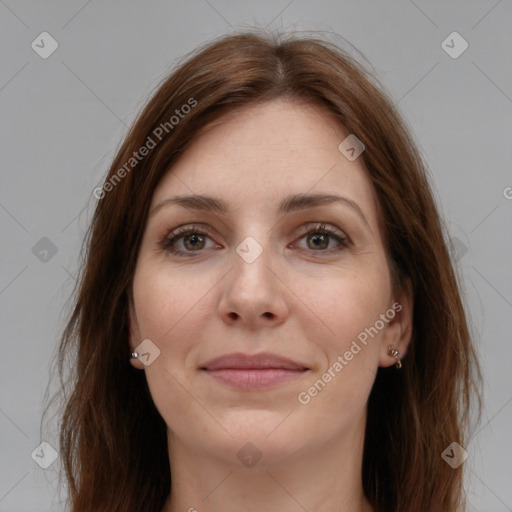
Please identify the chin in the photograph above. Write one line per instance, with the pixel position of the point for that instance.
(250, 451)
(266, 434)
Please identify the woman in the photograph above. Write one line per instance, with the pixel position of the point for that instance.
(267, 254)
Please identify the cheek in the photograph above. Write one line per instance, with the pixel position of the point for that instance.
(169, 305)
(171, 313)
(348, 333)
(345, 305)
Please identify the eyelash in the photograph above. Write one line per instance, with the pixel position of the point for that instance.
(166, 243)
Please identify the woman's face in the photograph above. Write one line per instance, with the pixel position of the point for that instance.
(281, 271)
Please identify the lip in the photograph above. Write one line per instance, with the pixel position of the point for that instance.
(261, 361)
(256, 371)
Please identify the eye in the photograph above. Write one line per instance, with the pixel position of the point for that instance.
(192, 240)
(186, 240)
(319, 238)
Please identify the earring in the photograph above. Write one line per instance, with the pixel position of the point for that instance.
(394, 352)
(134, 355)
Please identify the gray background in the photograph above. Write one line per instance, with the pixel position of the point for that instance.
(64, 116)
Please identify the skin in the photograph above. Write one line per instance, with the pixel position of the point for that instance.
(296, 299)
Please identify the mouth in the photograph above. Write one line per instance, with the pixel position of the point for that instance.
(257, 371)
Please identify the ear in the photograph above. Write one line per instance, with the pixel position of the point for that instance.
(398, 331)
(134, 335)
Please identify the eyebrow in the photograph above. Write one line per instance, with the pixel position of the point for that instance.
(291, 203)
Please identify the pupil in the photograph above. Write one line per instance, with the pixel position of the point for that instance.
(320, 238)
(193, 241)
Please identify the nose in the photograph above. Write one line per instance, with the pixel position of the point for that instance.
(254, 294)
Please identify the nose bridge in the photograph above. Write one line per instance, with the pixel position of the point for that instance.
(251, 261)
(253, 292)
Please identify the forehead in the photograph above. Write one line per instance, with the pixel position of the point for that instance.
(254, 157)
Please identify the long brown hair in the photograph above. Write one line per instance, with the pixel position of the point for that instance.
(113, 442)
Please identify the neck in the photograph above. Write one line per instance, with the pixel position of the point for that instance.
(323, 477)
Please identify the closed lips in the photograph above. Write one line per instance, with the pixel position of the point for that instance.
(263, 361)
(257, 372)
